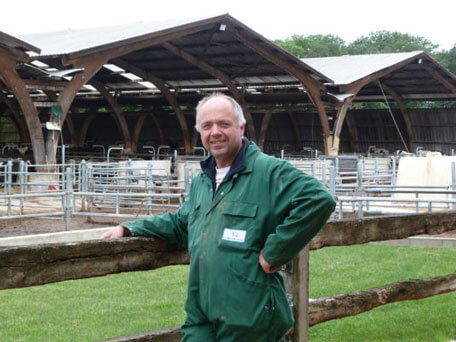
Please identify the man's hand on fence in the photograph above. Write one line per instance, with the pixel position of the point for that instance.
(116, 232)
(267, 268)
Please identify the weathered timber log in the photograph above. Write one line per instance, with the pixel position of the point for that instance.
(167, 335)
(354, 303)
(42, 264)
(358, 231)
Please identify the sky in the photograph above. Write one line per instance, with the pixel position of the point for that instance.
(349, 19)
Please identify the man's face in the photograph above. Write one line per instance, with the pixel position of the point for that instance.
(220, 131)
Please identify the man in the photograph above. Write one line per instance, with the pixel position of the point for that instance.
(247, 215)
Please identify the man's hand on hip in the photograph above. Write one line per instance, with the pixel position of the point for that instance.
(116, 232)
(267, 268)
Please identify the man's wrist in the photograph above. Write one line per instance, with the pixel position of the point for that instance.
(126, 231)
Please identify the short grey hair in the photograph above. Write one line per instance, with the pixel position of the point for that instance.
(237, 109)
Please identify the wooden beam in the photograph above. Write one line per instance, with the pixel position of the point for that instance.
(71, 129)
(435, 74)
(352, 131)
(117, 111)
(195, 137)
(137, 132)
(18, 87)
(340, 117)
(208, 42)
(295, 127)
(45, 85)
(264, 128)
(312, 86)
(66, 97)
(52, 95)
(170, 97)
(85, 128)
(222, 77)
(163, 140)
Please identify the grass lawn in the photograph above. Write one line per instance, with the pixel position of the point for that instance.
(337, 270)
(100, 308)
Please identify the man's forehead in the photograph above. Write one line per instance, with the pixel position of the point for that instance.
(218, 103)
(218, 106)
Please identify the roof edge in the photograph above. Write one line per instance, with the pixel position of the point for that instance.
(144, 37)
(17, 43)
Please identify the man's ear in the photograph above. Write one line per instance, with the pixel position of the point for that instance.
(242, 128)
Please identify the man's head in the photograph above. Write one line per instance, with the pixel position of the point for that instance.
(221, 123)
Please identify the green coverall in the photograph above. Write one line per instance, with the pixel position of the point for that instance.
(263, 203)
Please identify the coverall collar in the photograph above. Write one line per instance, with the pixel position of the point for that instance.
(239, 164)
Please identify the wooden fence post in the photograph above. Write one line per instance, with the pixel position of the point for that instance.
(297, 284)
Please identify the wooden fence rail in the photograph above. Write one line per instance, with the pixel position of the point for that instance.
(42, 264)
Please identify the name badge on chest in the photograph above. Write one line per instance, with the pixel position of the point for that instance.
(234, 235)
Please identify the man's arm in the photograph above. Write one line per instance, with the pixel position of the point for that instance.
(171, 227)
(305, 205)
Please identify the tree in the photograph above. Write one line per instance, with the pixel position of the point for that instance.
(317, 45)
(447, 58)
(389, 41)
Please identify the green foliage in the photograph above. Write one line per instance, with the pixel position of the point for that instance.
(317, 45)
(388, 41)
(447, 58)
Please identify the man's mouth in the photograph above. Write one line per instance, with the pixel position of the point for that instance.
(218, 142)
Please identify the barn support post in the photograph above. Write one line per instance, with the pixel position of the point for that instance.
(295, 127)
(12, 79)
(351, 131)
(137, 132)
(264, 128)
(340, 117)
(85, 128)
(90, 66)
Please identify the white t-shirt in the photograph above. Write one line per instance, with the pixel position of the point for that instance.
(220, 175)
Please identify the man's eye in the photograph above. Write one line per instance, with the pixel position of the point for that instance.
(225, 124)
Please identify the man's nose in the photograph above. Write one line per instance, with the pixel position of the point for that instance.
(215, 130)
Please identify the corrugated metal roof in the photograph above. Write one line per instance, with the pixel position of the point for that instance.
(347, 69)
(68, 41)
